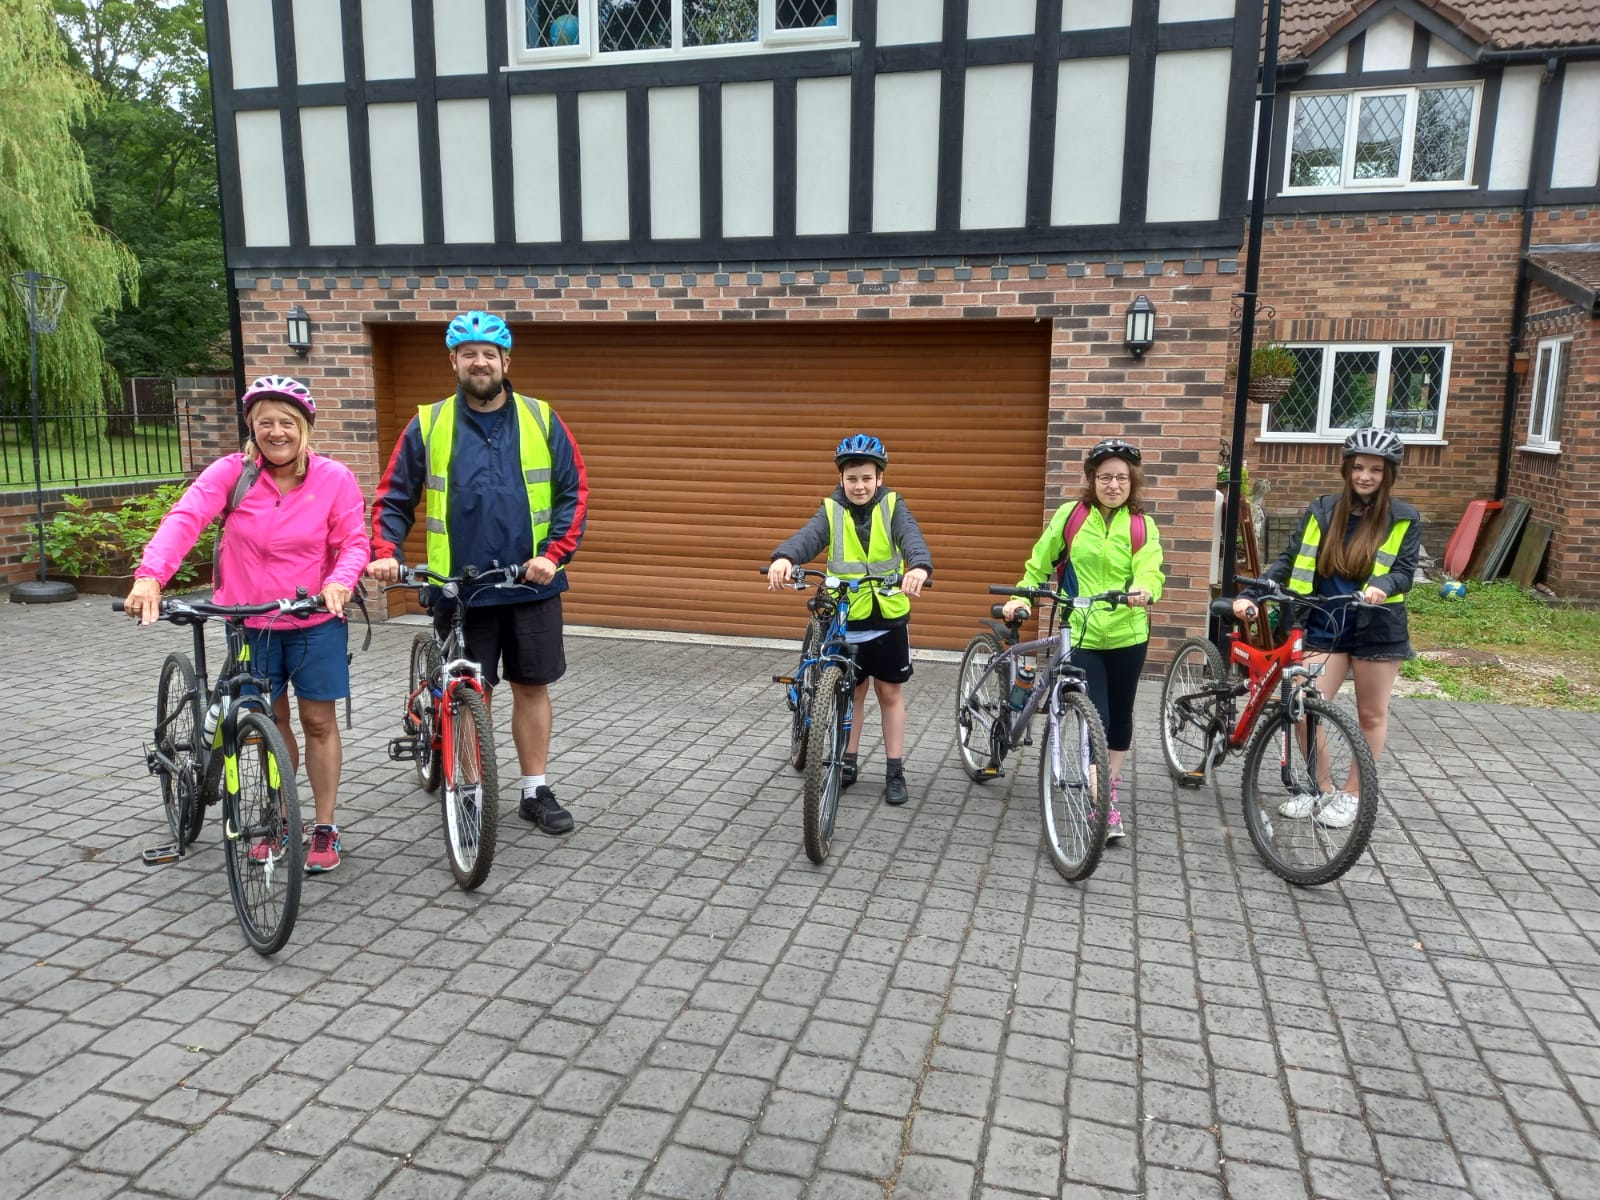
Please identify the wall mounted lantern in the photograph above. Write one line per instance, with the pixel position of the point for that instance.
(1140, 334)
(298, 332)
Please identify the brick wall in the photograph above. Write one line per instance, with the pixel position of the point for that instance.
(1170, 401)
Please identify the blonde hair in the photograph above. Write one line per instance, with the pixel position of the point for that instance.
(251, 450)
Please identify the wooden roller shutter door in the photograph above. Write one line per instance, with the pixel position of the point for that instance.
(707, 445)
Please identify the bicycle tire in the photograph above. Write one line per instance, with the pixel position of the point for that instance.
(804, 686)
(470, 811)
(1187, 726)
(978, 707)
(824, 765)
(178, 730)
(425, 664)
(264, 812)
(1303, 850)
(1074, 805)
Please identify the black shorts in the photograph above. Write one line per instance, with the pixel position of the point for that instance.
(526, 636)
(886, 657)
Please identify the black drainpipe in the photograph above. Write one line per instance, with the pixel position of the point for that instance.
(1519, 304)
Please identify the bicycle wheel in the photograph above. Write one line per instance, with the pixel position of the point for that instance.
(261, 839)
(1074, 786)
(824, 764)
(177, 732)
(425, 662)
(979, 706)
(1312, 763)
(1190, 714)
(804, 689)
(470, 803)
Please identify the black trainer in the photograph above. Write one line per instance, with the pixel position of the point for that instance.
(894, 788)
(848, 773)
(545, 811)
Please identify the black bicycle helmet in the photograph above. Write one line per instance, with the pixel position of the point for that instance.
(1384, 443)
(1112, 448)
(861, 447)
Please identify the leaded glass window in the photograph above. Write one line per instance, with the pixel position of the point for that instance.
(1339, 387)
(1398, 137)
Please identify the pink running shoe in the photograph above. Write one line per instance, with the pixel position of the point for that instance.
(1114, 830)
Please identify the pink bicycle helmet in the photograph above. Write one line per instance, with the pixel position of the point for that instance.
(279, 387)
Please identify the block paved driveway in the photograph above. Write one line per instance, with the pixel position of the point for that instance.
(674, 1003)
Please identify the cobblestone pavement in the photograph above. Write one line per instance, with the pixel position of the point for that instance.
(672, 1002)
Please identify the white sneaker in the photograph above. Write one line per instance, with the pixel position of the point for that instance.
(1339, 811)
(1298, 807)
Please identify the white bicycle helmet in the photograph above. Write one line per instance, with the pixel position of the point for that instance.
(1384, 443)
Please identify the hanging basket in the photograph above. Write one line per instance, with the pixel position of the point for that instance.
(1269, 389)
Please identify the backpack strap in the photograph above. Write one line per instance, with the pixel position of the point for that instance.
(249, 472)
(1080, 513)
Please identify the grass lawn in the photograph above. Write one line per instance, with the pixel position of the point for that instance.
(1548, 654)
(150, 452)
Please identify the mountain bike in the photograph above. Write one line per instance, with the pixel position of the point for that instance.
(448, 733)
(1301, 753)
(1000, 689)
(820, 694)
(235, 754)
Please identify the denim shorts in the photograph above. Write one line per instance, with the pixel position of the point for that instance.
(316, 659)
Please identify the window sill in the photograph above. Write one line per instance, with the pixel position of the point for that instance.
(563, 58)
(1323, 439)
(1549, 449)
(1378, 189)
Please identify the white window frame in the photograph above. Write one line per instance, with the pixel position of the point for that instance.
(1325, 431)
(1542, 438)
(586, 52)
(1408, 140)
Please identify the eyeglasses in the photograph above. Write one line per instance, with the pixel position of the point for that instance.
(1109, 480)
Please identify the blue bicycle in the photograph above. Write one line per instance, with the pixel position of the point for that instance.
(820, 695)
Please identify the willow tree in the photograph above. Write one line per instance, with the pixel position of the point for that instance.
(45, 219)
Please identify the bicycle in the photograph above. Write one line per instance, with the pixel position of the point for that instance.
(998, 694)
(448, 734)
(821, 697)
(234, 754)
(1319, 748)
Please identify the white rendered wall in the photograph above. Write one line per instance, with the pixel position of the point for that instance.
(1334, 64)
(261, 185)
(251, 46)
(675, 162)
(535, 171)
(459, 47)
(1389, 44)
(994, 147)
(603, 138)
(325, 147)
(386, 39)
(822, 189)
(905, 153)
(467, 202)
(1187, 135)
(1000, 18)
(1443, 54)
(1577, 150)
(1513, 128)
(1091, 128)
(318, 42)
(396, 174)
(747, 195)
(1095, 14)
(1195, 10)
(905, 22)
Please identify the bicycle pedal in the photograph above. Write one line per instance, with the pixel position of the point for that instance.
(1027, 739)
(1191, 779)
(157, 856)
(783, 679)
(993, 772)
(405, 749)
(152, 764)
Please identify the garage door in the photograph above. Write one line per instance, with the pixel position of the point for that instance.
(709, 444)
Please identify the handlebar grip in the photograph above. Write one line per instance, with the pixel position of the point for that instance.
(763, 570)
(118, 606)
(996, 590)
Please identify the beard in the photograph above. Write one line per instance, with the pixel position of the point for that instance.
(482, 387)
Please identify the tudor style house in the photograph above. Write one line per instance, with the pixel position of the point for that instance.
(730, 232)
(1432, 258)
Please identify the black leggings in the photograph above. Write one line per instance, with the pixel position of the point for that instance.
(1113, 682)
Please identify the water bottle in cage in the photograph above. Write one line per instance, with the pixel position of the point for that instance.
(1021, 686)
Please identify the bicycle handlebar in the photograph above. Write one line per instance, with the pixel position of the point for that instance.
(1276, 591)
(1111, 599)
(805, 577)
(421, 576)
(201, 610)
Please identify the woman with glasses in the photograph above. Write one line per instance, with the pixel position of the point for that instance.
(1099, 542)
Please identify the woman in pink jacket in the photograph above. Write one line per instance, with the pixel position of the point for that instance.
(298, 526)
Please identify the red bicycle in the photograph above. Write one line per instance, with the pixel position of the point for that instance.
(1310, 784)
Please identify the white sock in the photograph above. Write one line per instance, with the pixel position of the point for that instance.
(531, 783)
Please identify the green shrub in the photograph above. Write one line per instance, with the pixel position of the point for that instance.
(82, 541)
(1269, 360)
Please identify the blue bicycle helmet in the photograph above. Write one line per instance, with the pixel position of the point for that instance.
(861, 447)
(478, 327)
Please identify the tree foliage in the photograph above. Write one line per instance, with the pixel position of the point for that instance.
(46, 223)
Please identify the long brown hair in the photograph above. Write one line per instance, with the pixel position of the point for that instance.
(1353, 559)
(1135, 485)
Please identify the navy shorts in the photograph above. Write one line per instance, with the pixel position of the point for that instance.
(886, 657)
(316, 659)
(526, 637)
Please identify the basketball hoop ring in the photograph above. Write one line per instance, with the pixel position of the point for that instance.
(42, 298)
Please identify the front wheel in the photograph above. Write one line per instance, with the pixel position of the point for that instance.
(470, 804)
(261, 834)
(981, 702)
(423, 712)
(178, 731)
(825, 745)
(1310, 792)
(1074, 786)
(802, 690)
(1190, 709)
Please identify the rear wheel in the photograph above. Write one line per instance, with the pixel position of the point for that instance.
(261, 839)
(1074, 787)
(824, 764)
(804, 688)
(1306, 822)
(980, 703)
(1191, 710)
(178, 731)
(423, 712)
(470, 804)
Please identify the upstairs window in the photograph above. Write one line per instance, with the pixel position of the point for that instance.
(1342, 387)
(597, 31)
(1549, 394)
(1418, 137)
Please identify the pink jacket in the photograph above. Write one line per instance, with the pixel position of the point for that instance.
(274, 541)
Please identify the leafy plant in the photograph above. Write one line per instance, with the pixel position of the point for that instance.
(1269, 360)
(83, 541)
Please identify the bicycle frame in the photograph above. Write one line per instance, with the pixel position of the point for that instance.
(1058, 669)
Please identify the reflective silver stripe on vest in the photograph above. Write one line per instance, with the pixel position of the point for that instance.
(839, 565)
(435, 525)
(538, 475)
(542, 516)
(436, 483)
